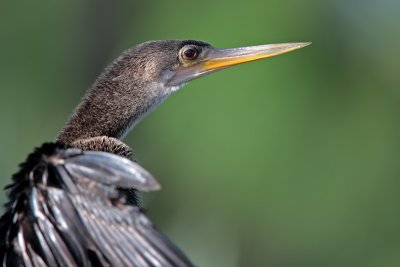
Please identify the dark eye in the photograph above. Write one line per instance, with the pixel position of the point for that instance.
(190, 53)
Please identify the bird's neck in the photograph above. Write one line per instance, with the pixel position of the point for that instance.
(111, 108)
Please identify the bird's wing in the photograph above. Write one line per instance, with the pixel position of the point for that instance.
(64, 209)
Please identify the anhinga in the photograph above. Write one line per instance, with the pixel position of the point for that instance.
(73, 203)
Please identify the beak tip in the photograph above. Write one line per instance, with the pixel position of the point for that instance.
(296, 46)
(304, 44)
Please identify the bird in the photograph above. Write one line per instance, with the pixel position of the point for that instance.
(74, 202)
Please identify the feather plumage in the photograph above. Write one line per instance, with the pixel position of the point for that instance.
(64, 209)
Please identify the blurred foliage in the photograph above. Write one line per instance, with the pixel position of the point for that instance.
(290, 161)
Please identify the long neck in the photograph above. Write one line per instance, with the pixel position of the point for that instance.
(112, 107)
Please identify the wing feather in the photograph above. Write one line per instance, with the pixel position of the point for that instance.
(111, 169)
(65, 209)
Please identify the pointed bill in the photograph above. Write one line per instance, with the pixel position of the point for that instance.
(216, 59)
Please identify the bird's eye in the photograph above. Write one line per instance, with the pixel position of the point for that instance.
(189, 53)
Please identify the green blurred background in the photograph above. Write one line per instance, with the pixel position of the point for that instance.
(290, 161)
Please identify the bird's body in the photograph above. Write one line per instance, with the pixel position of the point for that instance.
(73, 201)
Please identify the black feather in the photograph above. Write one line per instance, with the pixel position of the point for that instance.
(65, 209)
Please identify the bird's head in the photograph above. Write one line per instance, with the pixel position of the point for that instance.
(173, 63)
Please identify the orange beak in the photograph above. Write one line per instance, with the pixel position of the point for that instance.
(216, 59)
